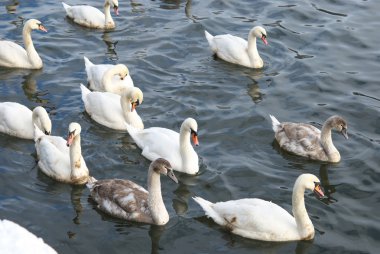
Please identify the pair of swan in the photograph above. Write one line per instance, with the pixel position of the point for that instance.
(175, 147)
(91, 17)
(127, 200)
(308, 141)
(13, 55)
(236, 50)
(17, 239)
(17, 120)
(263, 220)
(108, 77)
(62, 159)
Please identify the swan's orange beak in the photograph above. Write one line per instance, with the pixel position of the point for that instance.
(318, 190)
(194, 137)
(264, 39)
(42, 28)
(70, 138)
(116, 10)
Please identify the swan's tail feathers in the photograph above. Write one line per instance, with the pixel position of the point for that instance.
(66, 6)
(209, 210)
(275, 123)
(210, 38)
(37, 133)
(91, 182)
(85, 92)
(87, 62)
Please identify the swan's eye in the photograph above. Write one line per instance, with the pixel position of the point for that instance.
(264, 36)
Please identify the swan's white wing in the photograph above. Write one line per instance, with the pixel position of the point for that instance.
(105, 108)
(95, 76)
(231, 48)
(159, 142)
(16, 120)
(16, 239)
(13, 55)
(86, 15)
(54, 157)
(257, 219)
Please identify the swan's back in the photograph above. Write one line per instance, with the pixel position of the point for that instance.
(157, 142)
(54, 157)
(12, 54)
(85, 15)
(300, 138)
(16, 239)
(16, 120)
(253, 218)
(230, 48)
(123, 199)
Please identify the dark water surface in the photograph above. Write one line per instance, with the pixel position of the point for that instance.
(322, 59)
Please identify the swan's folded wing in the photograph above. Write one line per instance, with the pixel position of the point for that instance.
(230, 48)
(256, 218)
(122, 198)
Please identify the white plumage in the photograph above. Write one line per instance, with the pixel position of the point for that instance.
(108, 77)
(262, 220)
(17, 120)
(236, 50)
(112, 110)
(14, 239)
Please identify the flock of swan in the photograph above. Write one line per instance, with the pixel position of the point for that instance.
(112, 101)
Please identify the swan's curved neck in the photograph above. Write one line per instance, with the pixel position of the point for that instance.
(107, 13)
(75, 158)
(107, 79)
(33, 56)
(304, 225)
(185, 147)
(252, 50)
(326, 142)
(155, 202)
(36, 119)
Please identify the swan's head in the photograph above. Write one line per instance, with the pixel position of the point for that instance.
(260, 32)
(338, 123)
(74, 130)
(122, 70)
(162, 166)
(114, 4)
(191, 126)
(135, 97)
(35, 24)
(43, 120)
(311, 182)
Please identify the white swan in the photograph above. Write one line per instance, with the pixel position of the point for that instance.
(108, 77)
(60, 162)
(127, 200)
(14, 56)
(157, 142)
(306, 140)
(236, 50)
(262, 220)
(17, 120)
(112, 110)
(16, 239)
(89, 16)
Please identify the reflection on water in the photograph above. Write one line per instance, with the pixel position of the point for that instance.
(155, 233)
(170, 4)
(327, 187)
(111, 46)
(254, 92)
(76, 194)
